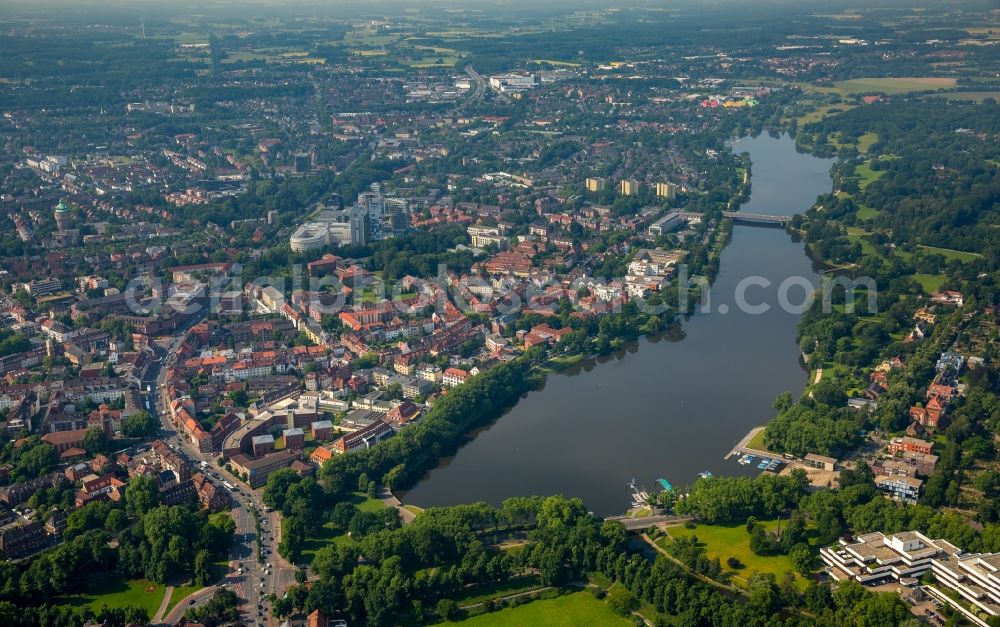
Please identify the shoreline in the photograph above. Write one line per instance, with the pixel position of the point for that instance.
(575, 363)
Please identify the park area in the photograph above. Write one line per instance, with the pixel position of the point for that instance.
(330, 533)
(579, 608)
(733, 540)
(111, 590)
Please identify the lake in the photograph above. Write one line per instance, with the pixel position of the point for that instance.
(661, 408)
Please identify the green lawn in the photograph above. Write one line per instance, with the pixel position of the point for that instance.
(323, 536)
(367, 504)
(822, 112)
(571, 610)
(180, 592)
(732, 540)
(478, 594)
(889, 85)
(977, 96)
(865, 141)
(111, 590)
(949, 253)
(757, 441)
(866, 174)
(930, 282)
(865, 212)
(561, 362)
(329, 533)
(860, 237)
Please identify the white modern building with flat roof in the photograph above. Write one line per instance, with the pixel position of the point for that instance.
(976, 577)
(875, 557)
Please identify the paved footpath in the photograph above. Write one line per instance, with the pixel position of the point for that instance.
(169, 592)
(390, 500)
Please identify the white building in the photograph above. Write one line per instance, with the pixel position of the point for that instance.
(670, 222)
(875, 557)
(975, 576)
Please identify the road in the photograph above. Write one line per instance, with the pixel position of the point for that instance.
(644, 522)
(252, 575)
(479, 92)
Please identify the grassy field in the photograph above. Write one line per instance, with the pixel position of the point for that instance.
(864, 212)
(866, 175)
(930, 282)
(579, 608)
(180, 592)
(561, 362)
(757, 441)
(889, 85)
(329, 533)
(556, 63)
(432, 61)
(725, 541)
(865, 141)
(822, 112)
(860, 237)
(949, 253)
(977, 96)
(113, 591)
(478, 594)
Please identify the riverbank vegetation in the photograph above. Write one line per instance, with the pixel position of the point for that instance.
(917, 214)
(734, 552)
(413, 573)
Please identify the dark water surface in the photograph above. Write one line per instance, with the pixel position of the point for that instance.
(661, 409)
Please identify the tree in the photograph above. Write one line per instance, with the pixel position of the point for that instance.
(621, 601)
(116, 521)
(141, 496)
(446, 609)
(395, 477)
(293, 538)
(802, 558)
(828, 527)
(829, 392)
(278, 483)
(139, 425)
(759, 542)
(239, 397)
(763, 592)
(94, 441)
(342, 514)
(202, 568)
(222, 608)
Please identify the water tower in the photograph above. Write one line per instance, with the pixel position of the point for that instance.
(64, 216)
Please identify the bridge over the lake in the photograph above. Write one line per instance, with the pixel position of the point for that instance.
(757, 218)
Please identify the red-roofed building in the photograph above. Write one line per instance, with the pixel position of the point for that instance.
(320, 455)
(454, 376)
(64, 440)
(402, 413)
